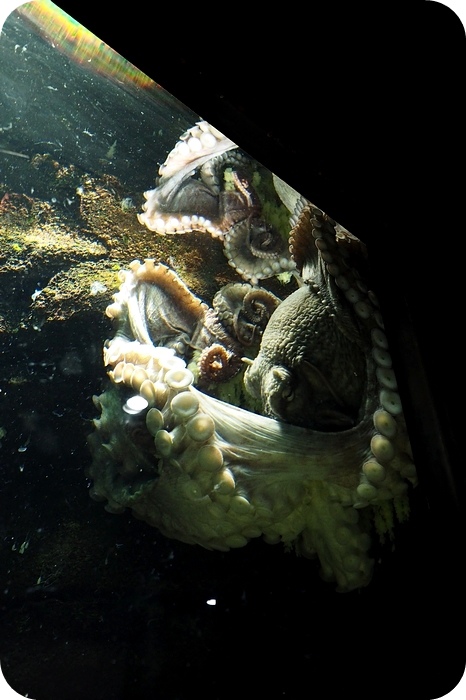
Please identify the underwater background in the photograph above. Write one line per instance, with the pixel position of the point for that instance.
(103, 606)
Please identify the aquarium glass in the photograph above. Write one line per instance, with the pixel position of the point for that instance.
(200, 425)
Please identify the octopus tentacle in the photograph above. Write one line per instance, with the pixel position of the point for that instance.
(205, 185)
(218, 363)
(256, 251)
(326, 456)
(244, 311)
(228, 466)
(259, 305)
(153, 304)
(211, 459)
(357, 318)
(195, 147)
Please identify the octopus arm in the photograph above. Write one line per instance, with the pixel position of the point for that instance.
(195, 148)
(267, 445)
(217, 481)
(208, 472)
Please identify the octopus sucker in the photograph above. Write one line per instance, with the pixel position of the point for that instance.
(206, 185)
(245, 310)
(312, 445)
(255, 249)
(216, 363)
(197, 145)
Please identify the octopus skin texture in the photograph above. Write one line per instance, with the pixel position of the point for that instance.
(206, 185)
(320, 459)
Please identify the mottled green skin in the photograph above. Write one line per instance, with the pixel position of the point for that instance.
(308, 371)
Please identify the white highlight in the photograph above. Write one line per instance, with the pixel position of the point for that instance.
(135, 404)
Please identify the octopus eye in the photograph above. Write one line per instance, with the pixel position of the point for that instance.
(247, 336)
(261, 234)
(288, 394)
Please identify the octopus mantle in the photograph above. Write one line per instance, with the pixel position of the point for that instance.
(317, 455)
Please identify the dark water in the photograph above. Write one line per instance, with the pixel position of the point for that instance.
(55, 103)
(102, 606)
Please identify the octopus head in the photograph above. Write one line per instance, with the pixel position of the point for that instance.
(299, 396)
(274, 386)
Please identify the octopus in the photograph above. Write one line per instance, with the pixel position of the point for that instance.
(318, 458)
(206, 185)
